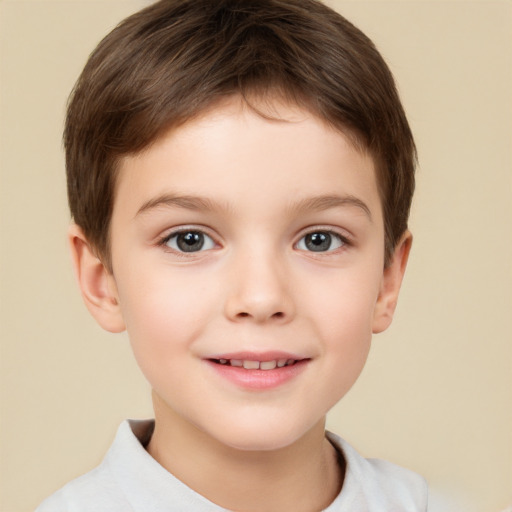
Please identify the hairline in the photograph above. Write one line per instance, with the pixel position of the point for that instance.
(269, 98)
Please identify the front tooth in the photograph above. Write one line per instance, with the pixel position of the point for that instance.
(268, 365)
(251, 365)
(281, 362)
(236, 362)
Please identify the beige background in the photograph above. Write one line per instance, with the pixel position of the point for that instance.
(436, 394)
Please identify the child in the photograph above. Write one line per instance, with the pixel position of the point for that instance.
(240, 176)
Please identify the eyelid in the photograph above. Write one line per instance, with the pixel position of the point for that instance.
(342, 234)
(172, 232)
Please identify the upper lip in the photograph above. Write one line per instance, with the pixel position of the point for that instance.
(258, 356)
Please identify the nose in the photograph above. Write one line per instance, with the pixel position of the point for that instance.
(259, 291)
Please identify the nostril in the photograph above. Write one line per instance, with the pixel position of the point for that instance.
(244, 314)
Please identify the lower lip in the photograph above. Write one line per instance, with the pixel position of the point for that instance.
(259, 379)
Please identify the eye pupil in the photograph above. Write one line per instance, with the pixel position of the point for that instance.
(318, 241)
(190, 241)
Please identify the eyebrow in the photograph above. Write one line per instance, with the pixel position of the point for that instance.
(327, 202)
(197, 203)
(187, 202)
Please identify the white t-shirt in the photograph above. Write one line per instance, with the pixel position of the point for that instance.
(130, 480)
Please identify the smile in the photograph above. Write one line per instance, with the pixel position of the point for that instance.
(256, 365)
(258, 372)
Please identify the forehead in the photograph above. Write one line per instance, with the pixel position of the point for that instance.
(266, 146)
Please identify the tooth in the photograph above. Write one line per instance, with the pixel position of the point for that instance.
(251, 365)
(290, 362)
(236, 362)
(281, 363)
(223, 361)
(268, 365)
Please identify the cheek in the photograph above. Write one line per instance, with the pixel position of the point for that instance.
(342, 301)
(163, 314)
(343, 320)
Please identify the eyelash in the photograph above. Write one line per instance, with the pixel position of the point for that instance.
(343, 241)
(164, 242)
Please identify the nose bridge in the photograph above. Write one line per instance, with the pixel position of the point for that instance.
(259, 288)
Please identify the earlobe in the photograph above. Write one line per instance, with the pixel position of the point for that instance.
(390, 285)
(97, 284)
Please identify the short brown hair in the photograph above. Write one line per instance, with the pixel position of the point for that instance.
(170, 61)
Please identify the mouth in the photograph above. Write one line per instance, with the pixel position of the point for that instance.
(251, 364)
(258, 372)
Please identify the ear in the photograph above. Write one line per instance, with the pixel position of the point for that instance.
(390, 284)
(97, 284)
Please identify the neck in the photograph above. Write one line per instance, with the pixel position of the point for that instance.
(303, 476)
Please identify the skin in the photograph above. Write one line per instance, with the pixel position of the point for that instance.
(256, 188)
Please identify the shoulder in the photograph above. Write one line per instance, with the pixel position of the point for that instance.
(374, 484)
(128, 479)
(96, 490)
(101, 489)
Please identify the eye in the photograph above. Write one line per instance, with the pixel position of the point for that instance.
(189, 241)
(321, 241)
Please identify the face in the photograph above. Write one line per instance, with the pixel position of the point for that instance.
(247, 260)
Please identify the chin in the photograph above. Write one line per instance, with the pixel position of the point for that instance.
(261, 437)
